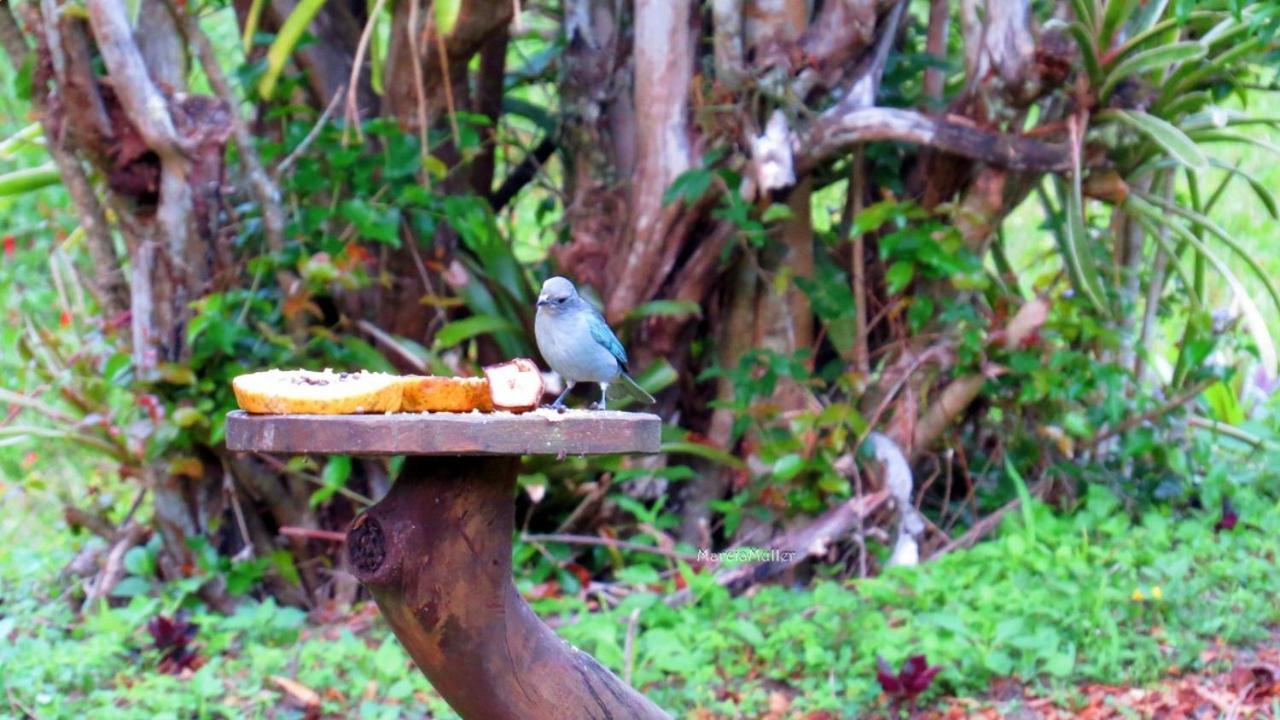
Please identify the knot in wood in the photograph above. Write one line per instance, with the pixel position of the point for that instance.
(366, 545)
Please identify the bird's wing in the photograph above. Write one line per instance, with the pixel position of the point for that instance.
(601, 333)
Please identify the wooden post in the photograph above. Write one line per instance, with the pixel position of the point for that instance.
(436, 554)
(436, 551)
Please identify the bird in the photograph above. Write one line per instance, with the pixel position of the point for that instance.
(577, 343)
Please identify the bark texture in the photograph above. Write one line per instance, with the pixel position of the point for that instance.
(436, 553)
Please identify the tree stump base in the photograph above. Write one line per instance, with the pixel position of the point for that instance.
(436, 551)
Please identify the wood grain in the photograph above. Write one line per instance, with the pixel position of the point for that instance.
(542, 432)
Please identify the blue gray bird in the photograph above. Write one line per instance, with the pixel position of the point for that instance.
(577, 343)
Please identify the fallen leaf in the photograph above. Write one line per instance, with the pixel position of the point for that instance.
(299, 693)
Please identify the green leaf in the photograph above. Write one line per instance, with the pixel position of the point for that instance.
(285, 43)
(185, 417)
(1190, 76)
(20, 182)
(1204, 222)
(666, 308)
(659, 376)
(898, 276)
(1145, 34)
(461, 330)
(1224, 406)
(1088, 51)
(788, 466)
(1086, 13)
(1148, 15)
(707, 452)
(1156, 58)
(776, 211)
(1264, 193)
(1169, 138)
(1024, 501)
(131, 587)
(920, 312)
(1114, 17)
(24, 139)
(1073, 241)
(373, 221)
(1253, 318)
(335, 474)
(251, 20)
(1227, 136)
(689, 186)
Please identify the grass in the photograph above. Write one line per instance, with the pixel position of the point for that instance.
(1050, 600)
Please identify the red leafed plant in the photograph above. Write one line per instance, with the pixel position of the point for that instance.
(172, 638)
(906, 684)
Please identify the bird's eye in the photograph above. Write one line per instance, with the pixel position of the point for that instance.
(560, 301)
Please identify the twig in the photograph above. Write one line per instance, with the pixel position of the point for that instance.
(30, 403)
(341, 490)
(229, 490)
(523, 173)
(133, 508)
(988, 523)
(1149, 415)
(352, 114)
(110, 283)
(263, 186)
(857, 261)
(592, 497)
(95, 524)
(447, 81)
(629, 646)
(419, 85)
(313, 534)
(1224, 429)
(386, 339)
(113, 568)
(800, 542)
(569, 539)
(311, 136)
(841, 127)
(99, 444)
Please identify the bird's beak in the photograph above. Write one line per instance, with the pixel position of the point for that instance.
(542, 300)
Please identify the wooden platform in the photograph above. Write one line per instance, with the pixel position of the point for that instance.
(541, 432)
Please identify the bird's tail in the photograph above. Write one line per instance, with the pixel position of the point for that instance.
(634, 390)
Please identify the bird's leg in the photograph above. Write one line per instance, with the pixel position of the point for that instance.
(604, 392)
(559, 403)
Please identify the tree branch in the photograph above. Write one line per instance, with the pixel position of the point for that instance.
(138, 95)
(265, 190)
(108, 286)
(726, 18)
(523, 173)
(664, 64)
(840, 127)
(935, 77)
(801, 543)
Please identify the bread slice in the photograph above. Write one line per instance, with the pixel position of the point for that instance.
(431, 393)
(288, 392)
(515, 385)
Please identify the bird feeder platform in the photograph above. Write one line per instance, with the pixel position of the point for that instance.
(436, 552)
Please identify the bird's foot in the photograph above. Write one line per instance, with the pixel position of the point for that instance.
(558, 406)
(597, 406)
